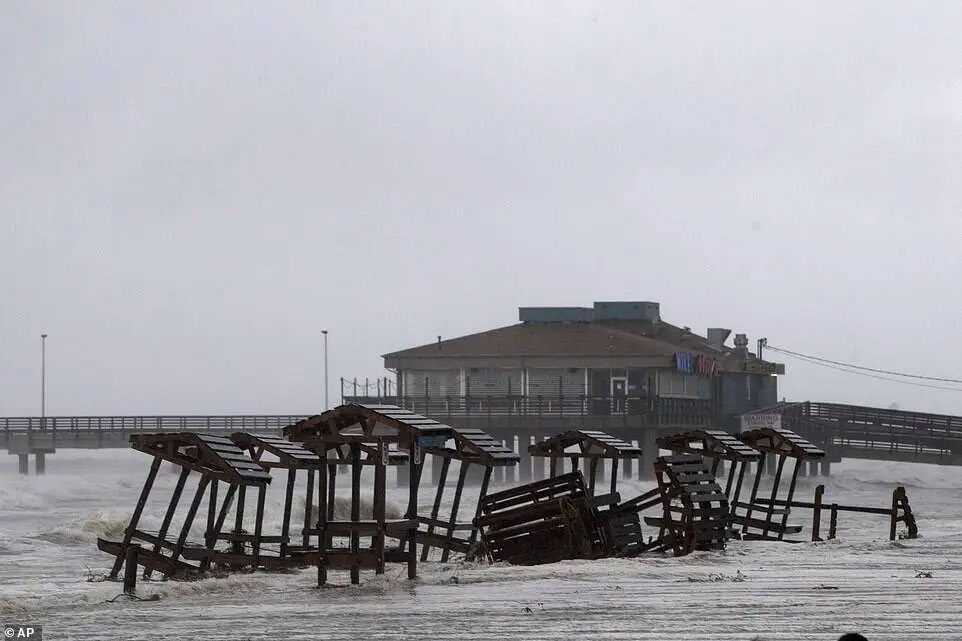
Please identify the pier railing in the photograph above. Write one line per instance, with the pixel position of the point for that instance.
(655, 411)
(61, 424)
(892, 434)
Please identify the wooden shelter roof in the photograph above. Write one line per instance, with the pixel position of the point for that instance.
(474, 446)
(713, 443)
(369, 422)
(291, 455)
(591, 443)
(215, 456)
(781, 441)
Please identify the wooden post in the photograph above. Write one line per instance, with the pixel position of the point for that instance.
(415, 479)
(895, 514)
(788, 500)
(288, 505)
(308, 507)
(211, 514)
(455, 506)
(380, 501)
(135, 517)
(331, 495)
(355, 511)
(218, 525)
(169, 515)
(834, 522)
(189, 519)
(477, 512)
(237, 546)
(553, 466)
(259, 524)
(130, 568)
(331, 483)
(817, 514)
(322, 484)
(738, 487)
(442, 478)
(754, 495)
(771, 504)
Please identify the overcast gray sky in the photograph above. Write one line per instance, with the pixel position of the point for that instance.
(190, 192)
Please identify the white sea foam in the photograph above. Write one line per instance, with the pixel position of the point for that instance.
(771, 591)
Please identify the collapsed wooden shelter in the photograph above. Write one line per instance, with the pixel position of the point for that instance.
(361, 436)
(217, 460)
(784, 444)
(469, 447)
(694, 508)
(718, 446)
(378, 436)
(620, 524)
(291, 457)
(541, 522)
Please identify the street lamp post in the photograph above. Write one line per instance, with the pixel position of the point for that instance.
(43, 382)
(326, 405)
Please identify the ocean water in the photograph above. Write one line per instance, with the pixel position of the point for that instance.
(891, 591)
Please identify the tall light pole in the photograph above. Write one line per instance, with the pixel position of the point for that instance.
(326, 405)
(43, 382)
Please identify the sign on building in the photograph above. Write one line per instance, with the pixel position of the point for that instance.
(758, 421)
(686, 363)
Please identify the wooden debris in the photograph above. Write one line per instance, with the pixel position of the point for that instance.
(291, 457)
(694, 507)
(541, 522)
(899, 512)
(217, 460)
(758, 521)
(470, 447)
(359, 436)
(718, 446)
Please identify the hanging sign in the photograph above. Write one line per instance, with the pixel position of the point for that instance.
(700, 365)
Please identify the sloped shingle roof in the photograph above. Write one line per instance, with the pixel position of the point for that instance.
(549, 339)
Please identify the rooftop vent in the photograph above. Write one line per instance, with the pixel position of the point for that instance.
(717, 336)
(741, 345)
(627, 310)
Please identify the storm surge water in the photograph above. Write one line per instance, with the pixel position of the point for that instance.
(50, 570)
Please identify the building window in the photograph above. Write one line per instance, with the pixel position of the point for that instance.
(678, 385)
